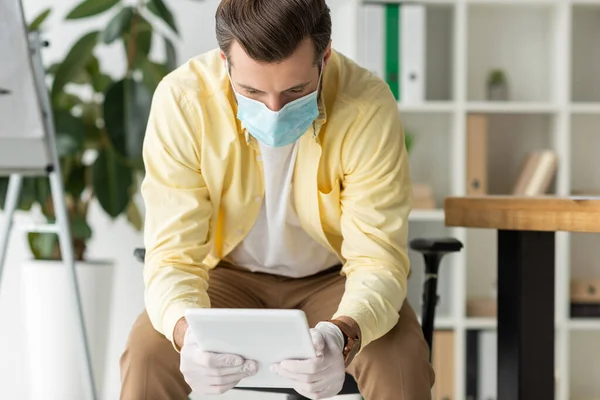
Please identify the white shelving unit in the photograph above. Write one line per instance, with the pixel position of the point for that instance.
(550, 51)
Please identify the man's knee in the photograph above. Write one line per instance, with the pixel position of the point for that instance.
(397, 364)
(150, 364)
(145, 346)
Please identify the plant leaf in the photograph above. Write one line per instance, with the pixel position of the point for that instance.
(42, 245)
(3, 190)
(39, 20)
(65, 101)
(160, 9)
(42, 192)
(80, 228)
(126, 110)
(111, 180)
(27, 195)
(144, 38)
(93, 66)
(75, 182)
(88, 8)
(101, 82)
(75, 61)
(117, 25)
(134, 216)
(70, 132)
(152, 73)
(171, 55)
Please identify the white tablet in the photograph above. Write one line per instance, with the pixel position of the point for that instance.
(264, 335)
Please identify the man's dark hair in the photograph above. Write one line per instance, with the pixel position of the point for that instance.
(270, 30)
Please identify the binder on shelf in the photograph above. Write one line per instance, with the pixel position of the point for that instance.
(443, 364)
(413, 47)
(392, 48)
(372, 37)
(477, 155)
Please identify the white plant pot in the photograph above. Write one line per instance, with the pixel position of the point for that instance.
(51, 329)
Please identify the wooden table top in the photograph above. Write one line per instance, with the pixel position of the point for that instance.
(546, 213)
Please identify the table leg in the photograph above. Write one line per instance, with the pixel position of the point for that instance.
(525, 315)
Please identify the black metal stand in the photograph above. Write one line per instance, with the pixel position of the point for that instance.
(526, 315)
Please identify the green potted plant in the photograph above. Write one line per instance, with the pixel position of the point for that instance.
(100, 122)
(497, 86)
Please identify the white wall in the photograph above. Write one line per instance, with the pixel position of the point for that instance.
(112, 239)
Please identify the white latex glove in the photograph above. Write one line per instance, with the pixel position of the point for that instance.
(321, 377)
(212, 373)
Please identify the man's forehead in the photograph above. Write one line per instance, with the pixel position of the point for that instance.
(301, 59)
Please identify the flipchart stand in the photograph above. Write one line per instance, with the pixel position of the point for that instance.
(28, 148)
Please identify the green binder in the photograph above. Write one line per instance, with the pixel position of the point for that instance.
(392, 48)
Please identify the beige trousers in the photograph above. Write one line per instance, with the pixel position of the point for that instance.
(394, 367)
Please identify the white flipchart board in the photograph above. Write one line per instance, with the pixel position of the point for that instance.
(28, 147)
(24, 144)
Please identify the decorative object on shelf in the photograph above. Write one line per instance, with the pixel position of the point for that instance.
(423, 197)
(585, 298)
(100, 122)
(497, 86)
(536, 174)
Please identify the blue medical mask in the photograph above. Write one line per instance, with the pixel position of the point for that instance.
(278, 128)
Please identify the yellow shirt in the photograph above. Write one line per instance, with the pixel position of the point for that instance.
(204, 185)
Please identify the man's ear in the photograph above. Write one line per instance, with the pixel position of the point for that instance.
(327, 53)
(223, 56)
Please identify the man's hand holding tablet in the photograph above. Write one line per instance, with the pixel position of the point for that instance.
(212, 373)
(321, 377)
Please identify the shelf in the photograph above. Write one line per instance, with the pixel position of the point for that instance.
(432, 135)
(427, 107)
(585, 86)
(511, 107)
(481, 323)
(584, 365)
(586, 108)
(584, 324)
(442, 322)
(524, 52)
(427, 215)
(373, 48)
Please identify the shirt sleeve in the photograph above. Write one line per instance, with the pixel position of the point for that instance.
(178, 211)
(376, 200)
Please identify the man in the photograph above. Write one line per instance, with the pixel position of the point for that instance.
(277, 177)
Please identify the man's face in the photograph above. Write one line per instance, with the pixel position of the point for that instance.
(276, 84)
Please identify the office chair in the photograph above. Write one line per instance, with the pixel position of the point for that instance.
(433, 251)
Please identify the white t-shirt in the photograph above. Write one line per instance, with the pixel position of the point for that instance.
(277, 243)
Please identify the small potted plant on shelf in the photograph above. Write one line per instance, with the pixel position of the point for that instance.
(100, 122)
(497, 86)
